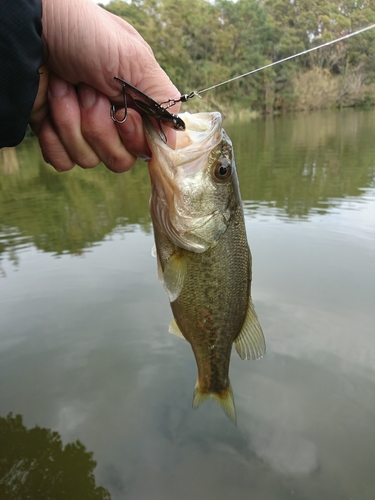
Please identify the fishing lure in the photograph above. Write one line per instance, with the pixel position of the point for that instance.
(148, 106)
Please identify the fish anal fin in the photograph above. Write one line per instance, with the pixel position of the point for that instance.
(250, 343)
(225, 400)
(174, 275)
(174, 329)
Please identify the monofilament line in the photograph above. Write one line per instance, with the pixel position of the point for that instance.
(288, 58)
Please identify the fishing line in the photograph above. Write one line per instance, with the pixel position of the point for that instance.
(156, 110)
(189, 96)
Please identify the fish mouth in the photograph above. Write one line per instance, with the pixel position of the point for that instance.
(191, 152)
(200, 130)
(201, 135)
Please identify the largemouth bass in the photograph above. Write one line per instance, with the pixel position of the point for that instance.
(203, 256)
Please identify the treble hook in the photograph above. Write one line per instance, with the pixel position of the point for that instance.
(113, 109)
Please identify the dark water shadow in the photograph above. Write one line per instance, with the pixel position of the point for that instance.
(34, 463)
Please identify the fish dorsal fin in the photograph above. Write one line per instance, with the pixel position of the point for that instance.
(174, 275)
(250, 343)
(174, 330)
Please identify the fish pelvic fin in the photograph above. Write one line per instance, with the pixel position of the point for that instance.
(250, 343)
(225, 400)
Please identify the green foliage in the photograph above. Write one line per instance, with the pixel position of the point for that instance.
(201, 43)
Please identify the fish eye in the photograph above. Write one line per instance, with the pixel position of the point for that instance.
(222, 169)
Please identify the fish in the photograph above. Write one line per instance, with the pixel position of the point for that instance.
(203, 256)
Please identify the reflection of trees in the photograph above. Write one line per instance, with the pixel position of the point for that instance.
(307, 161)
(35, 465)
(8, 161)
(65, 213)
(295, 163)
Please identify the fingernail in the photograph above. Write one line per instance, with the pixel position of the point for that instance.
(87, 96)
(58, 87)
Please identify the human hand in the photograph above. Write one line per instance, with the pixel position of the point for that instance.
(86, 47)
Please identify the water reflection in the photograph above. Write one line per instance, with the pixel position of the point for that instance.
(65, 213)
(8, 161)
(84, 343)
(304, 163)
(35, 464)
(293, 165)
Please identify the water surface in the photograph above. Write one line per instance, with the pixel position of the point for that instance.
(85, 352)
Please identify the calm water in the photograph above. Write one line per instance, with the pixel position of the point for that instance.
(85, 353)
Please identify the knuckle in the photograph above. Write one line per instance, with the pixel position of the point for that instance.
(61, 165)
(120, 164)
(87, 160)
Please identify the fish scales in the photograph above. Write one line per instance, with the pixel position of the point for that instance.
(211, 307)
(203, 256)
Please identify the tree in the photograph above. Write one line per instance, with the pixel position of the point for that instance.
(200, 44)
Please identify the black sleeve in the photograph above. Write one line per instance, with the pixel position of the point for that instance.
(21, 53)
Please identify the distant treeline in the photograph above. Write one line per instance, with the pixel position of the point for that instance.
(200, 43)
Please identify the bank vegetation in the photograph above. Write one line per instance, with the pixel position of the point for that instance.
(200, 43)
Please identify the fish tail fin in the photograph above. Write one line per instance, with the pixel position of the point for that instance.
(224, 398)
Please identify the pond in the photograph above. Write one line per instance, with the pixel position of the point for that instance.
(85, 352)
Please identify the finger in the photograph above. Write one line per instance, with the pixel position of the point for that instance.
(132, 134)
(66, 119)
(117, 151)
(52, 148)
(40, 108)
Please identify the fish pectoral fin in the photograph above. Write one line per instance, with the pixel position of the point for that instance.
(225, 400)
(174, 275)
(250, 343)
(160, 270)
(174, 330)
